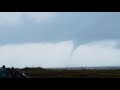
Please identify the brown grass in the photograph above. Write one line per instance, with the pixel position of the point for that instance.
(62, 73)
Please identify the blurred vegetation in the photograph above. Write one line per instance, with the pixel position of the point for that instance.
(64, 73)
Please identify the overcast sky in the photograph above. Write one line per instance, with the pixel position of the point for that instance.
(59, 39)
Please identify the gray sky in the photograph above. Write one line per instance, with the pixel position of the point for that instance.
(77, 26)
(70, 28)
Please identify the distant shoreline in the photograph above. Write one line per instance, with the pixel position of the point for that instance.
(77, 68)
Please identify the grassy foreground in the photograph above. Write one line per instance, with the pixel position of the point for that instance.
(64, 73)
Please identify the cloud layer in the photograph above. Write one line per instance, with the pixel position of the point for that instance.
(16, 18)
(36, 27)
(62, 54)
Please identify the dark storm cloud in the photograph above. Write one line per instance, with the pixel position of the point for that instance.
(77, 26)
